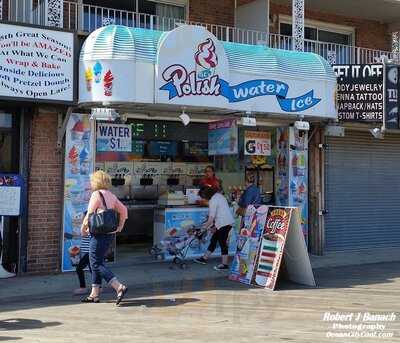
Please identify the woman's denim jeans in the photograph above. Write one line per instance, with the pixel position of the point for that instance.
(98, 247)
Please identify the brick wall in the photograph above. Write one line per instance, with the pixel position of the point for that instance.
(368, 33)
(45, 195)
(220, 12)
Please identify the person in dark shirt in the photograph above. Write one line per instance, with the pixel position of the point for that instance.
(251, 196)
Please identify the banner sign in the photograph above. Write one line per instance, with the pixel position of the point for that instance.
(176, 229)
(36, 64)
(360, 92)
(223, 137)
(267, 233)
(10, 194)
(391, 96)
(114, 137)
(201, 75)
(257, 143)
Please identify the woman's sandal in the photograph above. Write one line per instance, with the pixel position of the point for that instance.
(121, 294)
(90, 300)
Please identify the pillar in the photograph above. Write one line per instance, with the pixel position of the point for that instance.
(298, 24)
(54, 13)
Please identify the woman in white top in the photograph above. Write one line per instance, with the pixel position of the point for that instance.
(220, 221)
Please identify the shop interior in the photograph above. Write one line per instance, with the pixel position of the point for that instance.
(167, 162)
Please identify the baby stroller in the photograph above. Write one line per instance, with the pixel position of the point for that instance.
(178, 246)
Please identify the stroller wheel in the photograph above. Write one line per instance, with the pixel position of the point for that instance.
(177, 260)
(153, 251)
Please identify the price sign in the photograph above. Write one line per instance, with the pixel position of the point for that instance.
(257, 143)
(114, 137)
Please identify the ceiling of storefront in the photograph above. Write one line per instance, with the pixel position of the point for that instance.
(385, 11)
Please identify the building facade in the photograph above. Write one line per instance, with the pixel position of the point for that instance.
(338, 32)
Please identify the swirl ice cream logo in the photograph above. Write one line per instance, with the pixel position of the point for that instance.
(206, 59)
(201, 81)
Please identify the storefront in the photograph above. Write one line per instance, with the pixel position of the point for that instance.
(156, 82)
(36, 85)
(361, 178)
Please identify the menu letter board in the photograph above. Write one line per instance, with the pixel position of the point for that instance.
(360, 92)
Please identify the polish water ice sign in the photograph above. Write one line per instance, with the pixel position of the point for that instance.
(114, 137)
(36, 64)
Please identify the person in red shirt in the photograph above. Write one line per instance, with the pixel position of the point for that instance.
(210, 180)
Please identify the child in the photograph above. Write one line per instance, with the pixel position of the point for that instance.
(83, 263)
(220, 221)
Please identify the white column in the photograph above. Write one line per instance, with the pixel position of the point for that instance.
(298, 24)
(396, 45)
(54, 13)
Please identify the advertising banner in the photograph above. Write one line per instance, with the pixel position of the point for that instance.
(10, 194)
(245, 259)
(268, 234)
(360, 94)
(200, 74)
(179, 232)
(36, 64)
(223, 137)
(298, 175)
(391, 96)
(78, 166)
(257, 143)
(114, 137)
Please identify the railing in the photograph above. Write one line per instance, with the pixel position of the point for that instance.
(87, 18)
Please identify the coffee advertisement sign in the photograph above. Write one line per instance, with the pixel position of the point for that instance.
(360, 93)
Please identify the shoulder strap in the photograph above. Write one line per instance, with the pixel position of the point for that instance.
(104, 200)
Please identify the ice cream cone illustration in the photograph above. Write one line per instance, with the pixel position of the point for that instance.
(84, 161)
(206, 59)
(73, 160)
(108, 83)
(97, 69)
(89, 79)
(77, 131)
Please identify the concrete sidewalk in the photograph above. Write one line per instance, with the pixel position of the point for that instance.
(215, 310)
(138, 275)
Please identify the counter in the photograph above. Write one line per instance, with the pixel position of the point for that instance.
(176, 222)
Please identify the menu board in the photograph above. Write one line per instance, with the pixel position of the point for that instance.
(360, 92)
(162, 148)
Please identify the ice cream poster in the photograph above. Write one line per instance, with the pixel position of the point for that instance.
(223, 137)
(78, 165)
(114, 138)
(298, 175)
(180, 229)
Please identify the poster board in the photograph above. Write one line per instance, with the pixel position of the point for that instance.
(279, 236)
(257, 143)
(10, 194)
(223, 137)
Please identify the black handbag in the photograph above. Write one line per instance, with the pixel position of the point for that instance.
(104, 222)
